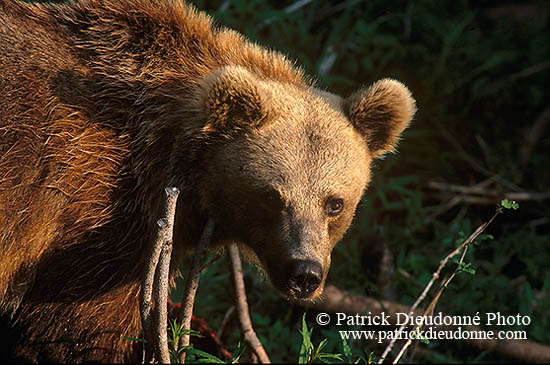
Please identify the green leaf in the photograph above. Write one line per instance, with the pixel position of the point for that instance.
(465, 267)
(330, 356)
(322, 344)
(526, 299)
(306, 348)
(205, 356)
(346, 350)
(509, 204)
(484, 237)
(421, 338)
(237, 353)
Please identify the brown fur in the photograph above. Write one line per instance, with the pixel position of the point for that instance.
(106, 102)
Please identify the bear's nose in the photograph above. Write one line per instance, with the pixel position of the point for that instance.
(305, 277)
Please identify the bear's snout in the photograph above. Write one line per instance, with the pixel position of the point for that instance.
(305, 276)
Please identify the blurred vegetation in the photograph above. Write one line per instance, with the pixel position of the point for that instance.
(479, 71)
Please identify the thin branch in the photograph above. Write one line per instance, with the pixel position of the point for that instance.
(146, 301)
(441, 209)
(435, 276)
(164, 237)
(530, 70)
(211, 262)
(297, 5)
(192, 284)
(431, 307)
(478, 194)
(225, 321)
(335, 300)
(289, 9)
(472, 161)
(533, 136)
(477, 190)
(249, 336)
(161, 286)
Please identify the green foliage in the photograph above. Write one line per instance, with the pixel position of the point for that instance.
(508, 204)
(193, 355)
(464, 267)
(309, 353)
(175, 333)
(198, 356)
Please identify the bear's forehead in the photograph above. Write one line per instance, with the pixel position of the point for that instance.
(307, 148)
(300, 102)
(309, 128)
(313, 152)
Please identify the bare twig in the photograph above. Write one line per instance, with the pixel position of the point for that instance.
(146, 302)
(472, 161)
(407, 20)
(297, 5)
(479, 200)
(462, 248)
(478, 194)
(335, 300)
(516, 12)
(289, 9)
(249, 336)
(441, 209)
(225, 321)
(161, 285)
(153, 277)
(211, 262)
(409, 277)
(538, 222)
(192, 284)
(530, 70)
(477, 190)
(533, 136)
(329, 60)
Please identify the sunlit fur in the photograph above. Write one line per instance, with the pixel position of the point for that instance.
(106, 102)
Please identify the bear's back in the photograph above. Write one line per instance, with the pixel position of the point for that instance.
(57, 168)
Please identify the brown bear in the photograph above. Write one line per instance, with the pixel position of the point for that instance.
(104, 103)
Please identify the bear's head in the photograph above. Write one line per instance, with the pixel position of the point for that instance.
(290, 165)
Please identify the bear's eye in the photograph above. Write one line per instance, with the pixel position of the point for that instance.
(334, 206)
(272, 200)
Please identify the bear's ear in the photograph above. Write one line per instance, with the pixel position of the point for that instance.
(233, 99)
(380, 113)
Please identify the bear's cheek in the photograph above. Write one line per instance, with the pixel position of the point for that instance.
(242, 221)
(229, 207)
(264, 235)
(338, 227)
